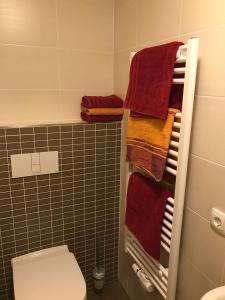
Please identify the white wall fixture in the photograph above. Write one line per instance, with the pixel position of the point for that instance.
(31, 164)
(218, 220)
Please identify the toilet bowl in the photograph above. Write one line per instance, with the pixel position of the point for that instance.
(49, 274)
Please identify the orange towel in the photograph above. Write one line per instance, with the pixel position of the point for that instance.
(102, 111)
(148, 143)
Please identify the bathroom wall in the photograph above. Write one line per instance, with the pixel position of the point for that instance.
(141, 23)
(76, 206)
(52, 52)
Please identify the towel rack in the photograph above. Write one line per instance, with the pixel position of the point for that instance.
(164, 275)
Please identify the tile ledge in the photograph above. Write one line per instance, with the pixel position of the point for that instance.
(17, 124)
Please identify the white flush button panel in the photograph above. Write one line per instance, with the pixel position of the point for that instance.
(31, 164)
(218, 220)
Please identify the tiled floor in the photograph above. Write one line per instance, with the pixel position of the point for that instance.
(111, 292)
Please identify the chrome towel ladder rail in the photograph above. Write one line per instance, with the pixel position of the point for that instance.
(164, 278)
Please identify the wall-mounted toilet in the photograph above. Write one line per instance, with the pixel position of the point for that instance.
(50, 274)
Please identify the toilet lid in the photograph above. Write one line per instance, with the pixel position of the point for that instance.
(53, 278)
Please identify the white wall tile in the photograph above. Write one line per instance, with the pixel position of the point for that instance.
(28, 22)
(191, 283)
(205, 186)
(86, 70)
(201, 14)
(208, 129)
(25, 67)
(86, 24)
(203, 246)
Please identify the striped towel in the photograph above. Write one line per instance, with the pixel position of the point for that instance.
(148, 143)
(102, 111)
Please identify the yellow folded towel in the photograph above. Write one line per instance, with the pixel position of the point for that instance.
(102, 111)
(148, 143)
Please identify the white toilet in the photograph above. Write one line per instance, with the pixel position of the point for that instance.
(50, 274)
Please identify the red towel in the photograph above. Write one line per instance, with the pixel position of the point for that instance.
(111, 101)
(100, 118)
(151, 76)
(145, 207)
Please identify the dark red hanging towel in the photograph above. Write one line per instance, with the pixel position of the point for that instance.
(146, 202)
(151, 75)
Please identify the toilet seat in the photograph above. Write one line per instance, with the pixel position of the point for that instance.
(48, 276)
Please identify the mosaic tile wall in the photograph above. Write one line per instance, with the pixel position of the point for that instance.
(74, 207)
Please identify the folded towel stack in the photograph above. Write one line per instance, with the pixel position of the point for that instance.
(101, 108)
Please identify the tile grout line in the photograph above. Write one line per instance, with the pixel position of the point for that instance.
(85, 246)
(10, 191)
(114, 210)
(106, 131)
(74, 214)
(61, 175)
(25, 207)
(95, 205)
(38, 203)
(50, 195)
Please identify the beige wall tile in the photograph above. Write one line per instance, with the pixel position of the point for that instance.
(28, 22)
(157, 20)
(200, 14)
(121, 72)
(209, 129)
(125, 24)
(203, 246)
(205, 186)
(37, 65)
(31, 106)
(86, 24)
(84, 70)
(191, 283)
(223, 276)
(28, 68)
(210, 79)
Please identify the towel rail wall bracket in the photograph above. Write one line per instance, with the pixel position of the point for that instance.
(164, 278)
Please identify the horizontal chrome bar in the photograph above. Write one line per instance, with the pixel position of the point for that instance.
(168, 216)
(170, 200)
(181, 59)
(172, 162)
(169, 208)
(165, 247)
(165, 239)
(178, 80)
(176, 125)
(178, 115)
(173, 153)
(174, 144)
(167, 223)
(179, 70)
(175, 134)
(166, 231)
(171, 171)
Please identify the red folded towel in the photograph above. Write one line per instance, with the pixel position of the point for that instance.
(100, 118)
(151, 75)
(145, 207)
(111, 101)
